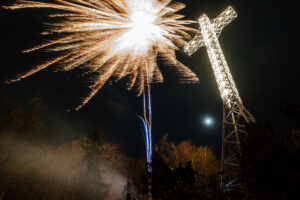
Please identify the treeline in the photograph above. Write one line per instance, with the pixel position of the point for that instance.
(91, 168)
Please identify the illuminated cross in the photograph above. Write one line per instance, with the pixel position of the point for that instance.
(235, 116)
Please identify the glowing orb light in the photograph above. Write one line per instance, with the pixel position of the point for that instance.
(208, 121)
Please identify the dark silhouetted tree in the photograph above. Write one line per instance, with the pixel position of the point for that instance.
(24, 120)
(270, 163)
(162, 179)
(291, 111)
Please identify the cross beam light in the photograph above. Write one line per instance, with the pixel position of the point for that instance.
(208, 36)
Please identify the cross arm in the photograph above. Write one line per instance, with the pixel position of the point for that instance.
(227, 16)
(196, 43)
(220, 22)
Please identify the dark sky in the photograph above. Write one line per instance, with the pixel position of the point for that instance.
(260, 47)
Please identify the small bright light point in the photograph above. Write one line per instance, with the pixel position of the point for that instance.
(208, 121)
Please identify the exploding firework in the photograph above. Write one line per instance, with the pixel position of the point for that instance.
(113, 38)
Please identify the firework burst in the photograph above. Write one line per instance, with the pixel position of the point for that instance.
(113, 38)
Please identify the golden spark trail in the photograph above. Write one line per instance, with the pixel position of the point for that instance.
(114, 39)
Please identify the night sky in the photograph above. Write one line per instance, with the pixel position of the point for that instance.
(260, 48)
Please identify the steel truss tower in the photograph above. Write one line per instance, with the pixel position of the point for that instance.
(235, 115)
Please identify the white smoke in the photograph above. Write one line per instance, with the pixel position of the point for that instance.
(52, 173)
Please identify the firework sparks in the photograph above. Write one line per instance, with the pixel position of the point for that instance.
(110, 38)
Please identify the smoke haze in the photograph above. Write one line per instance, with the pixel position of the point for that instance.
(57, 173)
